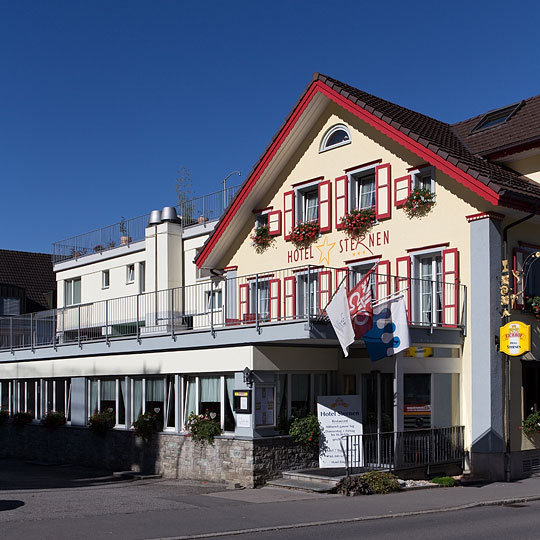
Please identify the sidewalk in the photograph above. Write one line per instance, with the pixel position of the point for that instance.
(75, 503)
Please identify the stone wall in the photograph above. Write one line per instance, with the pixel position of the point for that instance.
(249, 462)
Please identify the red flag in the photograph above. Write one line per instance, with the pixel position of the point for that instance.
(360, 306)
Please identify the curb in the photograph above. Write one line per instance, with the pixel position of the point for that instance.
(221, 534)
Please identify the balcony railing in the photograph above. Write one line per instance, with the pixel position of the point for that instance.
(403, 449)
(276, 296)
(209, 207)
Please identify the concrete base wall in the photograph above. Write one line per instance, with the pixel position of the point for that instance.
(249, 462)
(489, 465)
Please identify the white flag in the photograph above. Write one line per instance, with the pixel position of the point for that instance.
(339, 315)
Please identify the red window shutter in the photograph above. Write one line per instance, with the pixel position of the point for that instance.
(403, 280)
(275, 299)
(519, 257)
(382, 290)
(342, 273)
(341, 198)
(244, 301)
(402, 190)
(383, 181)
(325, 289)
(289, 297)
(450, 296)
(325, 206)
(288, 213)
(274, 223)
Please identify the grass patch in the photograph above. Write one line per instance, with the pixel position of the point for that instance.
(444, 481)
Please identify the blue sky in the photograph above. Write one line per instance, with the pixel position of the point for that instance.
(102, 101)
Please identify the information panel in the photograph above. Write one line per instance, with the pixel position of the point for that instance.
(264, 406)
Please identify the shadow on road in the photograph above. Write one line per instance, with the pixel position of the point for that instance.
(10, 505)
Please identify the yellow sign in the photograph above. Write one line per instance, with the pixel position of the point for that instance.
(515, 338)
(419, 352)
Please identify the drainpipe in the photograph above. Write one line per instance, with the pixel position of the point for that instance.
(506, 359)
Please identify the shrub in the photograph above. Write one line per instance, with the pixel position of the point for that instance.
(445, 481)
(100, 422)
(20, 419)
(306, 431)
(381, 482)
(53, 419)
(304, 234)
(357, 223)
(147, 424)
(419, 203)
(4, 416)
(261, 239)
(531, 424)
(353, 485)
(203, 428)
(532, 304)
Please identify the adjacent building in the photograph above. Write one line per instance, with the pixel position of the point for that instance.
(177, 312)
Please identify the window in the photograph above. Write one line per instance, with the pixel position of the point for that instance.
(306, 294)
(338, 135)
(130, 273)
(10, 306)
(363, 190)
(261, 220)
(259, 299)
(214, 300)
(496, 117)
(142, 277)
(358, 271)
(72, 291)
(308, 203)
(105, 279)
(108, 394)
(424, 179)
(531, 386)
(428, 268)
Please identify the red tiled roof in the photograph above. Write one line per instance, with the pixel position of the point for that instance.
(30, 271)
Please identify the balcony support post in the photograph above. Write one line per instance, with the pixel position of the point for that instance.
(212, 330)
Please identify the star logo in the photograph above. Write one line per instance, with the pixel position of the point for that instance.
(325, 248)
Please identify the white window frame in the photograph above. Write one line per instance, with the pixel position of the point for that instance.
(261, 222)
(301, 201)
(419, 174)
(69, 301)
(301, 279)
(142, 277)
(105, 279)
(130, 279)
(417, 283)
(361, 267)
(255, 288)
(354, 179)
(213, 292)
(338, 127)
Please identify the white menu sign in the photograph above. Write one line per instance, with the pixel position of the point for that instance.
(338, 416)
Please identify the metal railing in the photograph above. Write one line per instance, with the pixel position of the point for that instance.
(404, 449)
(276, 296)
(200, 210)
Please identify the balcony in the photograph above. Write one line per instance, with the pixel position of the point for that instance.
(209, 207)
(274, 299)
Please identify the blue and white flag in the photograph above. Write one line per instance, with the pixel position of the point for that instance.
(390, 332)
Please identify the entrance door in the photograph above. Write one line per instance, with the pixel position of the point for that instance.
(378, 402)
(417, 401)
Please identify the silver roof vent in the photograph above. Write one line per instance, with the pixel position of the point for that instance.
(169, 214)
(155, 217)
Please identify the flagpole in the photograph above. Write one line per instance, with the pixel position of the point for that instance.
(397, 293)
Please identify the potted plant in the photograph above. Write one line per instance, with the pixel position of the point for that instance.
(20, 419)
(531, 425)
(124, 237)
(261, 239)
(419, 203)
(147, 424)
(305, 233)
(358, 223)
(100, 422)
(532, 304)
(53, 419)
(203, 428)
(98, 248)
(306, 431)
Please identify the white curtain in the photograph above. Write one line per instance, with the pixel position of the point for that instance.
(137, 399)
(190, 397)
(210, 389)
(108, 390)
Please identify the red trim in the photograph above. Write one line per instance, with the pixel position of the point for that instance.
(484, 215)
(383, 190)
(327, 202)
(337, 198)
(418, 167)
(450, 303)
(261, 210)
(276, 298)
(318, 179)
(406, 279)
(288, 211)
(340, 274)
(395, 134)
(327, 291)
(374, 162)
(433, 246)
(350, 261)
(277, 232)
(397, 201)
(244, 288)
(260, 276)
(305, 268)
(230, 268)
(527, 245)
(382, 279)
(292, 296)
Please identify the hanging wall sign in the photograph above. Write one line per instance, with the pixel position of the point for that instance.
(515, 338)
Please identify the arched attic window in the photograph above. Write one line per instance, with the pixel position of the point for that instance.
(337, 135)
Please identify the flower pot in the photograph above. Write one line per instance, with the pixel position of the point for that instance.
(125, 240)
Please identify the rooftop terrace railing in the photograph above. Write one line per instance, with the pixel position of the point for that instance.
(209, 207)
(276, 296)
